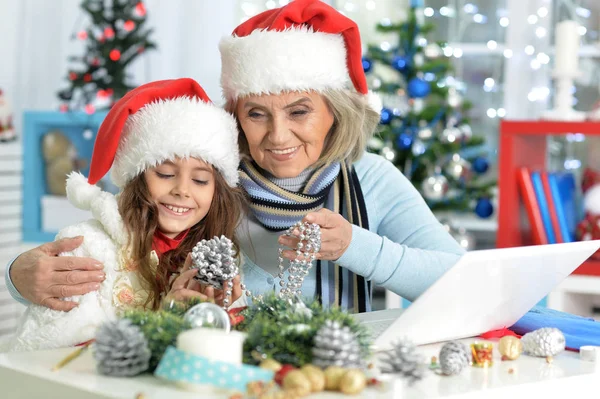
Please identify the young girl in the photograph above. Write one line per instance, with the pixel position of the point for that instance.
(175, 157)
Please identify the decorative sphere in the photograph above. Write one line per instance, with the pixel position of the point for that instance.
(484, 208)
(367, 64)
(418, 104)
(418, 147)
(401, 63)
(432, 50)
(466, 132)
(458, 167)
(404, 141)
(418, 88)
(435, 187)
(386, 116)
(450, 135)
(425, 133)
(208, 315)
(454, 98)
(510, 347)
(419, 60)
(481, 165)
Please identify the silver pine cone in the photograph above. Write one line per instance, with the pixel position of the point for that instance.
(544, 342)
(404, 359)
(215, 261)
(121, 349)
(335, 345)
(454, 357)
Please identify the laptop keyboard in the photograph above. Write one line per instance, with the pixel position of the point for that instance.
(376, 328)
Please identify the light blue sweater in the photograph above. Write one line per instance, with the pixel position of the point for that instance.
(405, 249)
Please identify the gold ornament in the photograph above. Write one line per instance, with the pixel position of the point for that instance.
(510, 347)
(270, 364)
(333, 375)
(297, 382)
(353, 382)
(316, 377)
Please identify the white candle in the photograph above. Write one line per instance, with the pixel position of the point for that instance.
(566, 50)
(213, 344)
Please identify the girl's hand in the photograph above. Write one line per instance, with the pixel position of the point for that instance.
(336, 235)
(185, 287)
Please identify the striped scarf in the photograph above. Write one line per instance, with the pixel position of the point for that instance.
(331, 186)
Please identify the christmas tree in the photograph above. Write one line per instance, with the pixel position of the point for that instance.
(116, 37)
(424, 128)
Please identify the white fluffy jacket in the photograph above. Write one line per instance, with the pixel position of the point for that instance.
(104, 240)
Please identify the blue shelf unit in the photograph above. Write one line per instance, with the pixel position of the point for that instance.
(35, 125)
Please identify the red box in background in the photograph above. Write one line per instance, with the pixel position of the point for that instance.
(523, 144)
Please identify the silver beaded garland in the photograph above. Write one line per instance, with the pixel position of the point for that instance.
(309, 244)
(216, 263)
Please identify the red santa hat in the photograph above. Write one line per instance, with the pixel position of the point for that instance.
(305, 45)
(160, 121)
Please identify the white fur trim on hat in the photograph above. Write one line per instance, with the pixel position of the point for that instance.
(103, 205)
(297, 59)
(374, 101)
(182, 127)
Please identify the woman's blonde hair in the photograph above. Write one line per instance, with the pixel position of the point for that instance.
(354, 124)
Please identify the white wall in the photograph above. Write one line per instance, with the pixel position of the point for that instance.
(35, 43)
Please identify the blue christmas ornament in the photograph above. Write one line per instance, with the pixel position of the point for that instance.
(416, 3)
(484, 208)
(367, 64)
(401, 63)
(404, 141)
(480, 165)
(386, 116)
(418, 88)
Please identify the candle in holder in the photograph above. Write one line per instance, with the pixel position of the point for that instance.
(566, 54)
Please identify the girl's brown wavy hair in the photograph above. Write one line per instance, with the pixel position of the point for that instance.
(140, 217)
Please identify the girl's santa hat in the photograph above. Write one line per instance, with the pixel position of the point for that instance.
(305, 45)
(160, 121)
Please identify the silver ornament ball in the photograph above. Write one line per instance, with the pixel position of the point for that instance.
(454, 98)
(432, 50)
(425, 133)
(435, 187)
(466, 132)
(458, 167)
(450, 135)
(208, 315)
(418, 147)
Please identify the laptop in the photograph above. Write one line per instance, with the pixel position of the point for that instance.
(485, 290)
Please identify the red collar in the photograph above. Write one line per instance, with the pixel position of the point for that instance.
(161, 243)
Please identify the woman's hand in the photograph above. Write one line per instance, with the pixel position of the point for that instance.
(336, 234)
(42, 277)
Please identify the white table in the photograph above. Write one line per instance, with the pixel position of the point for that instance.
(28, 375)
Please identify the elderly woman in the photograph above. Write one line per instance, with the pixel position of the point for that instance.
(293, 78)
